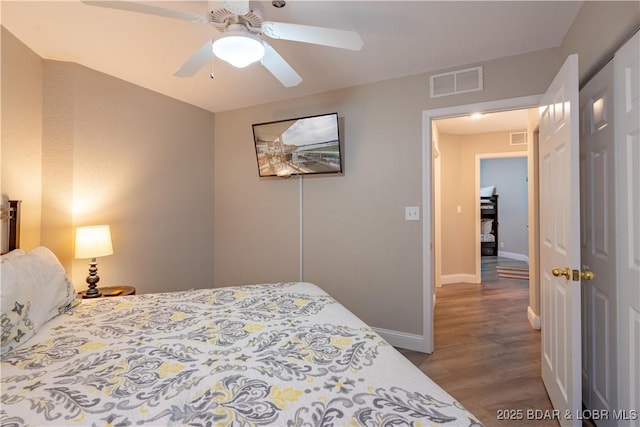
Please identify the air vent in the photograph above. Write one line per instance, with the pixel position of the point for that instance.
(454, 82)
(518, 138)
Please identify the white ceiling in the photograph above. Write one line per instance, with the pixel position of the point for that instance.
(400, 38)
(514, 120)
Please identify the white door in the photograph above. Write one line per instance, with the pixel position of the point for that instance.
(560, 243)
(627, 112)
(598, 236)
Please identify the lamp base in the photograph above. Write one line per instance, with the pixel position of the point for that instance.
(92, 293)
(92, 280)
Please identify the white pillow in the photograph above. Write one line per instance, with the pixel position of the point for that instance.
(34, 289)
(486, 226)
(13, 254)
(488, 191)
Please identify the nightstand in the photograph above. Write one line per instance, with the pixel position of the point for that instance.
(113, 291)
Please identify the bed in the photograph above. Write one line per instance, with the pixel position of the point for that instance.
(280, 354)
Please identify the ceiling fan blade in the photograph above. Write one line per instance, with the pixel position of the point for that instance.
(197, 61)
(317, 35)
(280, 69)
(149, 9)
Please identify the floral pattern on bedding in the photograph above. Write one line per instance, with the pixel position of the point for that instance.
(35, 289)
(282, 354)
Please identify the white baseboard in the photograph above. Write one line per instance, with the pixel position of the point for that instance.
(513, 255)
(458, 278)
(534, 319)
(403, 340)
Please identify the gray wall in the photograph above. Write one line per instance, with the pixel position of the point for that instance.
(357, 245)
(104, 151)
(21, 153)
(600, 28)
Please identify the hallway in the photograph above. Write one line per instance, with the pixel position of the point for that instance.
(486, 353)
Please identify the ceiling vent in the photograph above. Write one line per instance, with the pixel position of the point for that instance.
(454, 82)
(518, 138)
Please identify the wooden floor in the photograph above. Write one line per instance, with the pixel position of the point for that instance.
(486, 355)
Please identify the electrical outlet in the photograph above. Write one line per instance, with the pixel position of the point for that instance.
(412, 213)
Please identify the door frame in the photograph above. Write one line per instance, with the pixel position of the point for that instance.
(430, 252)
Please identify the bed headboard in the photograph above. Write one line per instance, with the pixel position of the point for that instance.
(10, 217)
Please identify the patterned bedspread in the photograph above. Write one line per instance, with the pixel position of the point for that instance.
(282, 354)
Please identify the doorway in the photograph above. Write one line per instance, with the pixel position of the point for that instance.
(625, 184)
(502, 179)
(432, 222)
(475, 155)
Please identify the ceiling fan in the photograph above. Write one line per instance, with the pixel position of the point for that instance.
(239, 40)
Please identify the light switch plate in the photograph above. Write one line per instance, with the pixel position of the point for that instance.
(412, 213)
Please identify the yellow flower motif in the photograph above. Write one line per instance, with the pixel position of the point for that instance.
(300, 302)
(175, 317)
(240, 295)
(92, 346)
(123, 305)
(280, 396)
(253, 327)
(167, 369)
(341, 342)
(224, 395)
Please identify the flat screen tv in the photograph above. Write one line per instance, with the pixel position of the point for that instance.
(302, 146)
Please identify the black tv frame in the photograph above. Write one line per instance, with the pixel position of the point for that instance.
(277, 146)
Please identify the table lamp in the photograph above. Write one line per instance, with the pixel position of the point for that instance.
(92, 242)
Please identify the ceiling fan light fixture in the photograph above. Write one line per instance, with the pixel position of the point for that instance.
(238, 48)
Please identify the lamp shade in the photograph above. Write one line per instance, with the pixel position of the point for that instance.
(238, 48)
(93, 241)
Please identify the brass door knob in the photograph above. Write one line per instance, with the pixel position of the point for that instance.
(587, 274)
(566, 272)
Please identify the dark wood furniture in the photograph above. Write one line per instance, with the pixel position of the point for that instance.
(11, 214)
(489, 211)
(113, 291)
